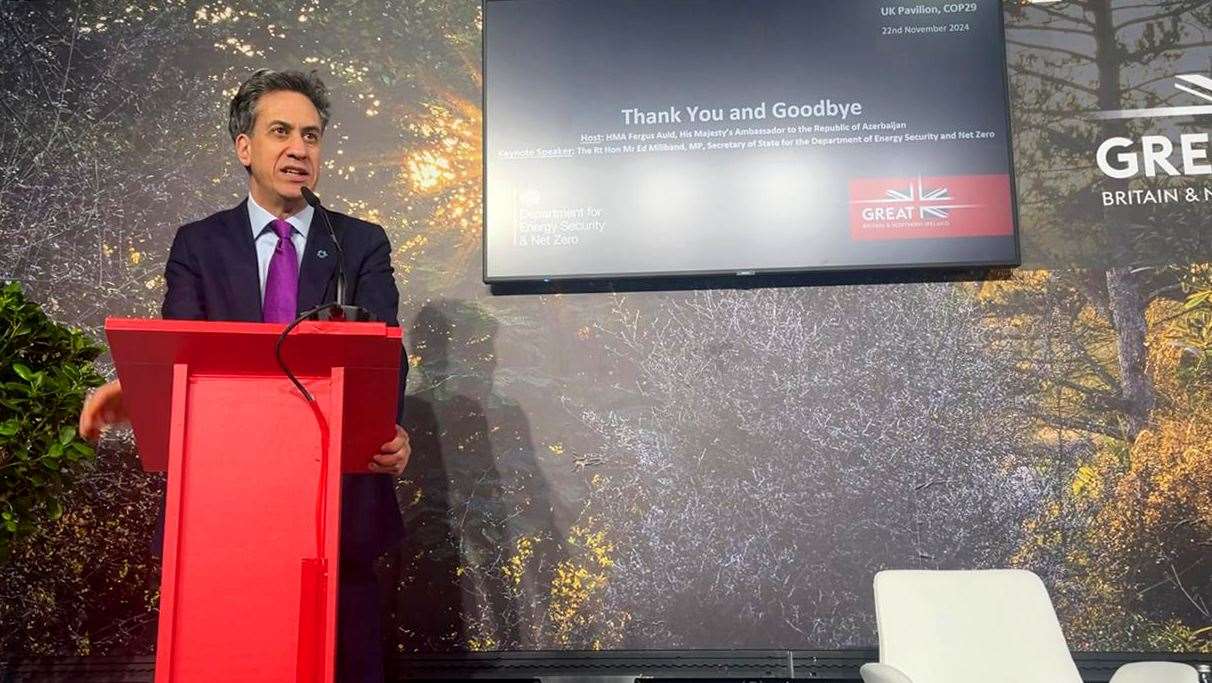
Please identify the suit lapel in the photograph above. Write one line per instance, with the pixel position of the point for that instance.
(319, 263)
(245, 285)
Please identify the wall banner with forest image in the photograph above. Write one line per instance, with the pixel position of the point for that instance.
(706, 467)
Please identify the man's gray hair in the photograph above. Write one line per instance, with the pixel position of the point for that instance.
(243, 112)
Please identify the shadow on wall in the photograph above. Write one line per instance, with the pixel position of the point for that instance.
(480, 547)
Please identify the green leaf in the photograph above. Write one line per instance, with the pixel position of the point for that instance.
(18, 388)
(23, 371)
(52, 369)
(1195, 300)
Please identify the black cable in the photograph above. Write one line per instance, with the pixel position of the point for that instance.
(278, 350)
(321, 499)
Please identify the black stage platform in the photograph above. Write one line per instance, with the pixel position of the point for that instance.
(826, 666)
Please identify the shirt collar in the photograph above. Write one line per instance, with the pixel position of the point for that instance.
(259, 218)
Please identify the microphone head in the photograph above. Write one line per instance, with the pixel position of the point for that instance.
(309, 196)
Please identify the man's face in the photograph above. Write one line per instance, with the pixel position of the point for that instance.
(282, 151)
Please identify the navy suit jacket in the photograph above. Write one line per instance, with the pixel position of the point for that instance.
(212, 275)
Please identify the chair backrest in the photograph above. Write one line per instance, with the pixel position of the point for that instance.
(993, 626)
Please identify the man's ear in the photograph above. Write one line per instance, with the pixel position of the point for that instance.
(243, 150)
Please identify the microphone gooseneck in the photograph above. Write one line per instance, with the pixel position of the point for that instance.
(340, 311)
(314, 202)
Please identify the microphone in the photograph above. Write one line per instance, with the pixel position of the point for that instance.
(341, 310)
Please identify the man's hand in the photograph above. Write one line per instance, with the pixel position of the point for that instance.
(393, 455)
(101, 410)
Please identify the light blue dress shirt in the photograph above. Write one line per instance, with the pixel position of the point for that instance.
(266, 239)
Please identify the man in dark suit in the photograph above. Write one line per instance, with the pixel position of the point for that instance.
(267, 260)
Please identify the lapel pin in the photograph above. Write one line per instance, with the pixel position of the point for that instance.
(322, 254)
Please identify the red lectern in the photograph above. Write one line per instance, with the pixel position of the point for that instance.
(248, 590)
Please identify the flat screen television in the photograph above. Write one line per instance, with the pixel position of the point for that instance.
(644, 138)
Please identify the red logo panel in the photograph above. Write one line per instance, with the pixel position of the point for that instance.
(930, 207)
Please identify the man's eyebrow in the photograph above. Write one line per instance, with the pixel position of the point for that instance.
(288, 126)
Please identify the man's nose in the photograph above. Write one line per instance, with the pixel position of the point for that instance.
(297, 148)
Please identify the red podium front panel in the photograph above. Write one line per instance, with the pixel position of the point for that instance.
(249, 582)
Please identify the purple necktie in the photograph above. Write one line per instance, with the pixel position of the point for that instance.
(282, 282)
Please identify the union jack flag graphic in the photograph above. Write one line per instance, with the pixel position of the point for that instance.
(930, 207)
(918, 195)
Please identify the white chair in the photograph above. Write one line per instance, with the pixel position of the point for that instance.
(991, 626)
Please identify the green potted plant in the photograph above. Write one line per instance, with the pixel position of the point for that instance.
(45, 370)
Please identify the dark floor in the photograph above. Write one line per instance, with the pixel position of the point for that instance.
(825, 666)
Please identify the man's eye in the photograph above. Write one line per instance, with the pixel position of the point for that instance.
(311, 137)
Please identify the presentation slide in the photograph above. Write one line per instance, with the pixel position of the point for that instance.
(659, 137)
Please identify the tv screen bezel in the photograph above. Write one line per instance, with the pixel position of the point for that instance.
(1013, 262)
